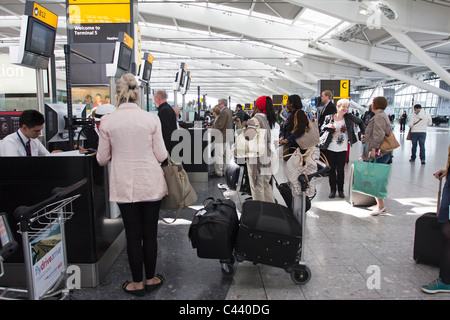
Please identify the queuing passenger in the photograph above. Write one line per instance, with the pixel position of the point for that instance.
(294, 103)
(260, 168)
(132, 140)
(327, 107)
(24, 142)
(92, 133)
(442, 283)
(222, 147)
(341, 126)
(379, 126)
(168, 118)
(418, 122)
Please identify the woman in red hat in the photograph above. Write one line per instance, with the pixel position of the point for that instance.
(259, 157)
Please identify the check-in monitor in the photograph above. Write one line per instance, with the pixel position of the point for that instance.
(40, 38)
(179, 77)
(56, 120)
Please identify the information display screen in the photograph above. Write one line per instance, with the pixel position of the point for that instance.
(40, 38)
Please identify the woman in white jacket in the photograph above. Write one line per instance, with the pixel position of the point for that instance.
(418, 122)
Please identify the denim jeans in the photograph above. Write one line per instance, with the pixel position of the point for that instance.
(418, 137)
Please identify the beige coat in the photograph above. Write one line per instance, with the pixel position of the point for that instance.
(379, 126)
(131, 138)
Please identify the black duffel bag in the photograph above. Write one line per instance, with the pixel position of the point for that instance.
(214, 229)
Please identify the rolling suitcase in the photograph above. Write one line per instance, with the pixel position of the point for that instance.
(428, 239)
(213, 231)
(269, 233)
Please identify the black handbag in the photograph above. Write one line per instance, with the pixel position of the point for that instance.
(214, 229)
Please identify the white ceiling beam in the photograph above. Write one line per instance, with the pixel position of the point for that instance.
(421, 54)
(389, 72)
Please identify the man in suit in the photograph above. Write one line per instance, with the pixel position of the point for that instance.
(167, 117)
(327, 107)
(222, 147)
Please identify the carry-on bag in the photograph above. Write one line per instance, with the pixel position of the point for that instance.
(269, 233)
(428, 239)
(214, 229)
(236, 176)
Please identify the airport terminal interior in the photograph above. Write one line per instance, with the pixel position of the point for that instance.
(203, 51)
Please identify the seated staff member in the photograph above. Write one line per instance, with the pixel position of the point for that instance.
(23, 142)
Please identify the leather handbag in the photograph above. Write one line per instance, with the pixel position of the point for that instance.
(301, 164)
(408, 136)
(310, 138)
(389, 143)
(181, 193)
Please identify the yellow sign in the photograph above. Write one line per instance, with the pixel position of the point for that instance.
(127, 40)
(285, 99)
(46, 16)
(97, 1)
(90, 11)
(150, 58)
(344, 89)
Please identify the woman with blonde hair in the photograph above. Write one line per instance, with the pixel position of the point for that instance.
(131, 139)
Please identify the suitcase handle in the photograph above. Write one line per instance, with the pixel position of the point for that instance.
(439, 195)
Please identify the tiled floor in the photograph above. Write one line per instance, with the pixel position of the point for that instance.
(346, 248)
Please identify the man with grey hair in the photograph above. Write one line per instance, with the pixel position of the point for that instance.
(222, 146)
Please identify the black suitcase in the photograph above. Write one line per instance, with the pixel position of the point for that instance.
(269, 234)
(214, 229)
(428, 239)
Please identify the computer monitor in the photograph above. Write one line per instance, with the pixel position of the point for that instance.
(179, 77)
(56, 129)
(40, 38)
(125, 55)
(187, 82)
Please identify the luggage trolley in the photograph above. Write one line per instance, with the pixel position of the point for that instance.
(281, 242)
(44, 247)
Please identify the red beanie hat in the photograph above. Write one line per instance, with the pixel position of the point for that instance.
(261, 103)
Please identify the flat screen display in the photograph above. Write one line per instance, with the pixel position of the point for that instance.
(40, 38)
(147, 71)
(125, 55)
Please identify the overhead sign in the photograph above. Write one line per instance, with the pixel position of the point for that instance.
(94, 11)
(339, 88)
(41, 13)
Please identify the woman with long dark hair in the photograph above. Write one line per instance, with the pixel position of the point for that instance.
(295, 125)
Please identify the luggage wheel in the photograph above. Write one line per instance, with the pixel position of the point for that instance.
(301, 274)
(228, 268)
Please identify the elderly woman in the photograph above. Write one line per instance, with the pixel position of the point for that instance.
(379, 126)
(340, 125)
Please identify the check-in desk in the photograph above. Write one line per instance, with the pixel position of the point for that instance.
(193, 149)
(93, 239)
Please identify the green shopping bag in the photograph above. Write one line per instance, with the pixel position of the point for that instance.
(371, 178)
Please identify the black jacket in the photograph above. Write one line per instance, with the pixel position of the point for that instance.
(168, 120)
(349, 120)
(323, 111)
